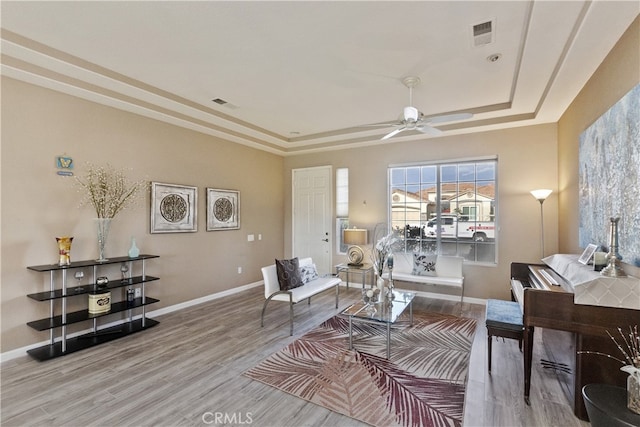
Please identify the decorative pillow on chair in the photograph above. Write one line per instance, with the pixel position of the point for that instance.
(308, 273)
(424, 264)
(288, 273)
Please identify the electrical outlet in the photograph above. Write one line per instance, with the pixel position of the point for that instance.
(138, 293)
(239, 270)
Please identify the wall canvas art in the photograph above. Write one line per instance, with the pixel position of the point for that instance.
(609, 178)
(173, 208)
(223, 209)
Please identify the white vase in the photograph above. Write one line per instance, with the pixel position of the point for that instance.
(380, 285)
(633, 392)
(134, 252)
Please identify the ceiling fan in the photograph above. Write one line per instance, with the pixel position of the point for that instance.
(412, 119)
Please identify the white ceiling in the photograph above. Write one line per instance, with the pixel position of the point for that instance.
(302, 76)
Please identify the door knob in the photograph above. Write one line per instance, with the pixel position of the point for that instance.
(325, 240)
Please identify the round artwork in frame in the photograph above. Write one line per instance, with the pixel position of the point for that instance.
(173, 208)
(223, 209)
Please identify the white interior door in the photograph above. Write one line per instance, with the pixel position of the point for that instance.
(312, 216)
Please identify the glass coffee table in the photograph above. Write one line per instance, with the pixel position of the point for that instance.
(382, 313)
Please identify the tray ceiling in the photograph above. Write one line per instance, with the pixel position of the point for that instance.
(290, 77)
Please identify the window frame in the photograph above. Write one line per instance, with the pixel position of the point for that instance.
(489, 246)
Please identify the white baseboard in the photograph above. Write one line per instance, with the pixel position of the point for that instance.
(18, 352)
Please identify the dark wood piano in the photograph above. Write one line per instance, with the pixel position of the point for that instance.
(547, 301)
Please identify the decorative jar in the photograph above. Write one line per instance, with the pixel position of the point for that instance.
(99, 302)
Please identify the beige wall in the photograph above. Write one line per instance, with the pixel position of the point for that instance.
(618, 74)
(39, 124)
(526, 161)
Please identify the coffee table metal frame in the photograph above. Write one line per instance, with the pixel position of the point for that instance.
(385, 313)
(364, 270)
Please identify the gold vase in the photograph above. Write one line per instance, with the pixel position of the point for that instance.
(64, 250)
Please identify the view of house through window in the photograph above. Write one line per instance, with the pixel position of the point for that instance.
(445, 208)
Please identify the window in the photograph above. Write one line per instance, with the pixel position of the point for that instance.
(446, 208)
(342, 207)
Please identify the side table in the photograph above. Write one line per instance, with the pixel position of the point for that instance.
(363, 270)
(607, 406)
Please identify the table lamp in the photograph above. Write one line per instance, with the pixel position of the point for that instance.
(354, 237)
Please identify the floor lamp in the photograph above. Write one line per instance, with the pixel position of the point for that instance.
(541, 196)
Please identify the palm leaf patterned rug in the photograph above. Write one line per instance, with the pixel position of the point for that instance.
(422, 384)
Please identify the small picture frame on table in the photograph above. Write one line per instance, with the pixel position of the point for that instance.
(587, 254)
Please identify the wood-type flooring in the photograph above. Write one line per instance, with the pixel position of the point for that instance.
(187, 372)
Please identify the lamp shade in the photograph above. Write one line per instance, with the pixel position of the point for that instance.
(355, 236)
(541, 194)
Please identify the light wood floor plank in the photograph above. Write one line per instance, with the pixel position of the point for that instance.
(191, 365)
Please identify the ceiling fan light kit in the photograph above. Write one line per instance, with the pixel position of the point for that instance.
(413, 119)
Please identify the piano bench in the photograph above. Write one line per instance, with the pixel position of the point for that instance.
(503, 319)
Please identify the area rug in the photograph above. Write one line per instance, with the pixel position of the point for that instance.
(422, 384)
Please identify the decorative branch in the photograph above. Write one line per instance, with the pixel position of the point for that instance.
(108, 190)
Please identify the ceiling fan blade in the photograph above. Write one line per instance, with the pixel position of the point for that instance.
(428, 130)
(393, 133)
(448, 118)
(383, 124)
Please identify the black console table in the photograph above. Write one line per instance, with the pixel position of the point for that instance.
(58, 295)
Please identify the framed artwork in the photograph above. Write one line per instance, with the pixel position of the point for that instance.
(609, 178)
(223, 209)
(587, 254)
(173, 208)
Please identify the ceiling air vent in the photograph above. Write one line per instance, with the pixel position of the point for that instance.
(483, 33)
(221, 101)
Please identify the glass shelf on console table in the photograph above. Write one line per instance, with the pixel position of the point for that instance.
(65, 345)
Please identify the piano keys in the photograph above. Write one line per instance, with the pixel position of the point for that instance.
(568, 329)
